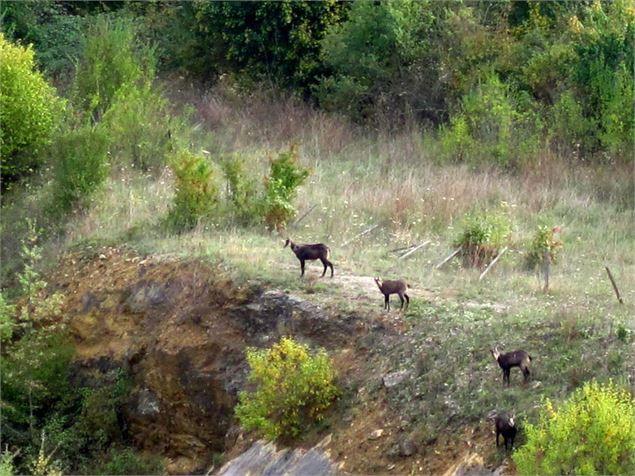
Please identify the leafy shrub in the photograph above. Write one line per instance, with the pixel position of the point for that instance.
(6, 463)
(490, 125)
(138, 124)
(54, 33)
(29, 111)
(196, 194)
(128, 461)
(380, 58)
(292, 389)
(109, 61)
(242, 189)
(591, 433)
(482, 234)
(7, 319)
(544, 240)
(281, 188)
(80, 165)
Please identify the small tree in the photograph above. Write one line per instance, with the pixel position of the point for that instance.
(592, 433)
(29, 110)
(196, 192)
(293, 389)
(281, 188)
(544, 240)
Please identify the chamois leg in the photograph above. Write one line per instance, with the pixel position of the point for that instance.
(526, 373)
(302, 267)
(407, 301)
(401, 300)
(497, 433)
(387, 302)
(506, 373)
(326, 263)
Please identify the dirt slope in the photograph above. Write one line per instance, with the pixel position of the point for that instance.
(180, 330)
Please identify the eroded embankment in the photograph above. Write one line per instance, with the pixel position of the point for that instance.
(179, 330)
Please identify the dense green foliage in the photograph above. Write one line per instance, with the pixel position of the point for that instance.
(110, 61)
(591, 433)
(292, 389)
(276, 41)
(29, 110)
(281, 187)
(81, 165)
(196, 193)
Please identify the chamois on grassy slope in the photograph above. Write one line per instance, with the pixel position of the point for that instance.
(393, 287)
(506, 426)
(311, 252)
(517, 358)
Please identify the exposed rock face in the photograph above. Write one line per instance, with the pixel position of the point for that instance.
(180, 331)
(264, 459)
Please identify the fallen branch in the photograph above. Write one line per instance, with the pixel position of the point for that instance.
(452, 255)
(360, 234)
(617, 292)
(491, 265)
(427, 242)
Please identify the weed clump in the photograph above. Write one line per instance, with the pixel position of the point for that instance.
(482, 235)
(292, 389)
(592, 433)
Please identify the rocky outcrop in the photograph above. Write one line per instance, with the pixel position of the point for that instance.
(265, 459)
(179, 330)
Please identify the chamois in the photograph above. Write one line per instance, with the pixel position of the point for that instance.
(393, 287)
(506, 426)
(517, 358)
(311, 252)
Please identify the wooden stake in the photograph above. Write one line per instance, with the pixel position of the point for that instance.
(617, 292)
(360, 234)
(491, 265)
(427, 242)
(452, 255)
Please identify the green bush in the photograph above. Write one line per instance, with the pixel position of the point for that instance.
(110, 60)
(7, 319)
(281, 188)
(591, 433)
(80, 165)
(380, 59)
(544, 240)
(196, 195)
(138, 124)
(292, 389)
(482, 235)
(29, 111)
(127, 461)
(241, 189)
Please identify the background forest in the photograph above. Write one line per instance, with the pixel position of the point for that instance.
(208, 128)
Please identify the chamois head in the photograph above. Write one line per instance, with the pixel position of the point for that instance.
(495, 352)
(379, 281)
(286, 243)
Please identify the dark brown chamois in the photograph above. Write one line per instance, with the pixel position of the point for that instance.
(517, 358)
(393, 287)
(506, 426)
(311, 252)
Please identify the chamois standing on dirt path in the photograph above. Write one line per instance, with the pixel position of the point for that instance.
(393, 287)
(506, 426)
(311, 252)
(517, 358)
